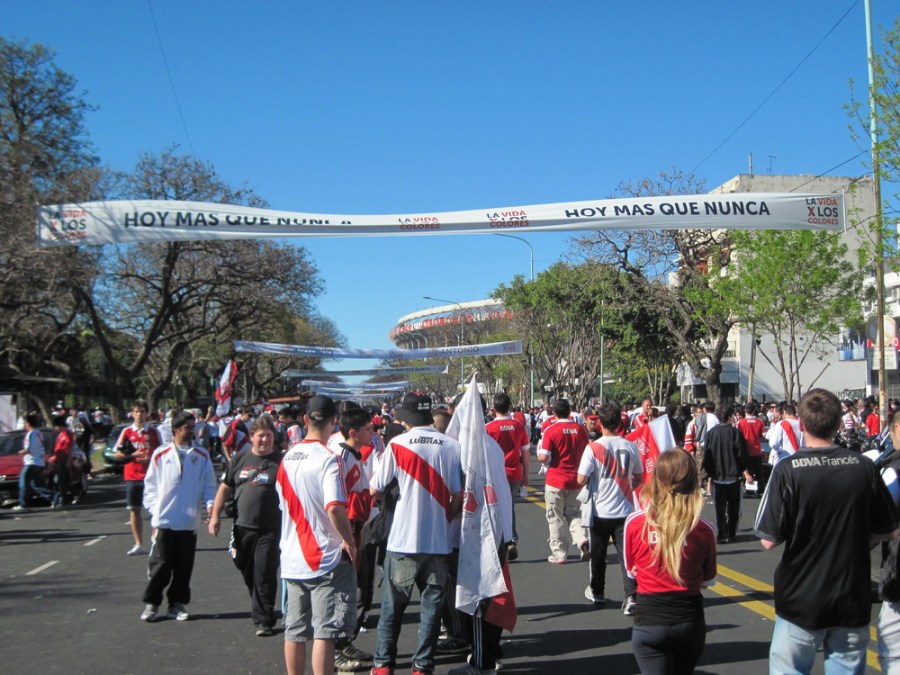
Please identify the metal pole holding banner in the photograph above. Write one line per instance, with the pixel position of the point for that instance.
(530, 352)
(462, 333)
(879, 243)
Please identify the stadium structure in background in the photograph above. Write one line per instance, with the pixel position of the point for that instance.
(449, 324)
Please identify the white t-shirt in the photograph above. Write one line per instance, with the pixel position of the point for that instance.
(310, 480)
(609, 463)
(427, 466)
(34, 449)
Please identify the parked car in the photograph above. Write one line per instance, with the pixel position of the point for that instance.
(11, 462)
(110, 463)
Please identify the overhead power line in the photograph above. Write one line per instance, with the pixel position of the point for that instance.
(775, 90)
(162, 51)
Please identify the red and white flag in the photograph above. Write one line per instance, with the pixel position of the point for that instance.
(223, 391)
(652, 439)
(486, 515)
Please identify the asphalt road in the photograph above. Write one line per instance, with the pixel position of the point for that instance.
(70, 602)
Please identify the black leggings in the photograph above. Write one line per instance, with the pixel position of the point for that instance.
(669, 650)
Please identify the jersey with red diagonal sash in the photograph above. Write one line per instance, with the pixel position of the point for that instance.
(790, 434)
(146, 439)
(310, 480)
(512, 437)
(294, 434)
(611, 462)
(427, 466)
(237, 437)
(356, 480)
(565, 442)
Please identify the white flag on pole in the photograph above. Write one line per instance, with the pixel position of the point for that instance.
(487, 505)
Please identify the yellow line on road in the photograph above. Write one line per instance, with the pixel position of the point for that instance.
(762, 608)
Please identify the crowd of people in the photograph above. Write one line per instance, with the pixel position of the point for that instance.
(327, 494)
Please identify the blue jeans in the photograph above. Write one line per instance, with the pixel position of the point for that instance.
(793, 649)
(31, 480)
(402, 571)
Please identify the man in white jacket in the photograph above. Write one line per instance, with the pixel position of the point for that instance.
(179, 475)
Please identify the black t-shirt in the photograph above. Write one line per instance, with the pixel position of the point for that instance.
(253, 480)
(823, 504)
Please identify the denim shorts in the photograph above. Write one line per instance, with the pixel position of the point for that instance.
(134, 495)
(323, 608)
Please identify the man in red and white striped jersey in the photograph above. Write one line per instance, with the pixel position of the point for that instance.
(426, 464)
(317, 545)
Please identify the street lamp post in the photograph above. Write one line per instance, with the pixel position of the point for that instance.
(530, 351)
(462, 333)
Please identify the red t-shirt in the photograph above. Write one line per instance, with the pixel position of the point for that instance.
(548, 422)
(146, 439)
(565, 441)
(511, 436)
(698, 562)
(752, 428)
(873, 424)
(64, 443)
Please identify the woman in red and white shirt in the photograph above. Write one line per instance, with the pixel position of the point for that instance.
(671, 552)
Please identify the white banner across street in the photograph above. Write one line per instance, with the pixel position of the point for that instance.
(159, 220)
(371, 371)
(488, 349)
(382, 386)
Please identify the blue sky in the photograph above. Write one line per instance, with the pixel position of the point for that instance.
(396, 107)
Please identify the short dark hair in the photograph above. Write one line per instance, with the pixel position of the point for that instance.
(820, 413)
(709, 406)
(353, 419)
(724, 412)
(33, 419)
(182, 418)
(59, 421)
(502, 404)
(610, 417)
(562, 409)
(140, 403)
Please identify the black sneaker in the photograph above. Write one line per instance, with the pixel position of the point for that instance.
(512, 551)
(351, 651)
(452, 645)
(629, 605)
(263, 630)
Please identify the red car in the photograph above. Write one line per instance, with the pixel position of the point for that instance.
(11, 461)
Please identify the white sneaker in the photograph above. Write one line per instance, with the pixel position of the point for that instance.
(178, 612)
(149, 613)
(137, 549)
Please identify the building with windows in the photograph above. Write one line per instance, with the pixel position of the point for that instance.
(749, 368)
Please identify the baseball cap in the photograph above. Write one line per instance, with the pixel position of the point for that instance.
(320, 408)
(415, 410)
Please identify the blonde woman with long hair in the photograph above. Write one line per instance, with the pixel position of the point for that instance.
(671, 552)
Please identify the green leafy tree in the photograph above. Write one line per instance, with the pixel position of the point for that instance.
(563, 314)
(670, 270)
(45, 157)
(886, 96)
(167, 297)
(800, 288)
